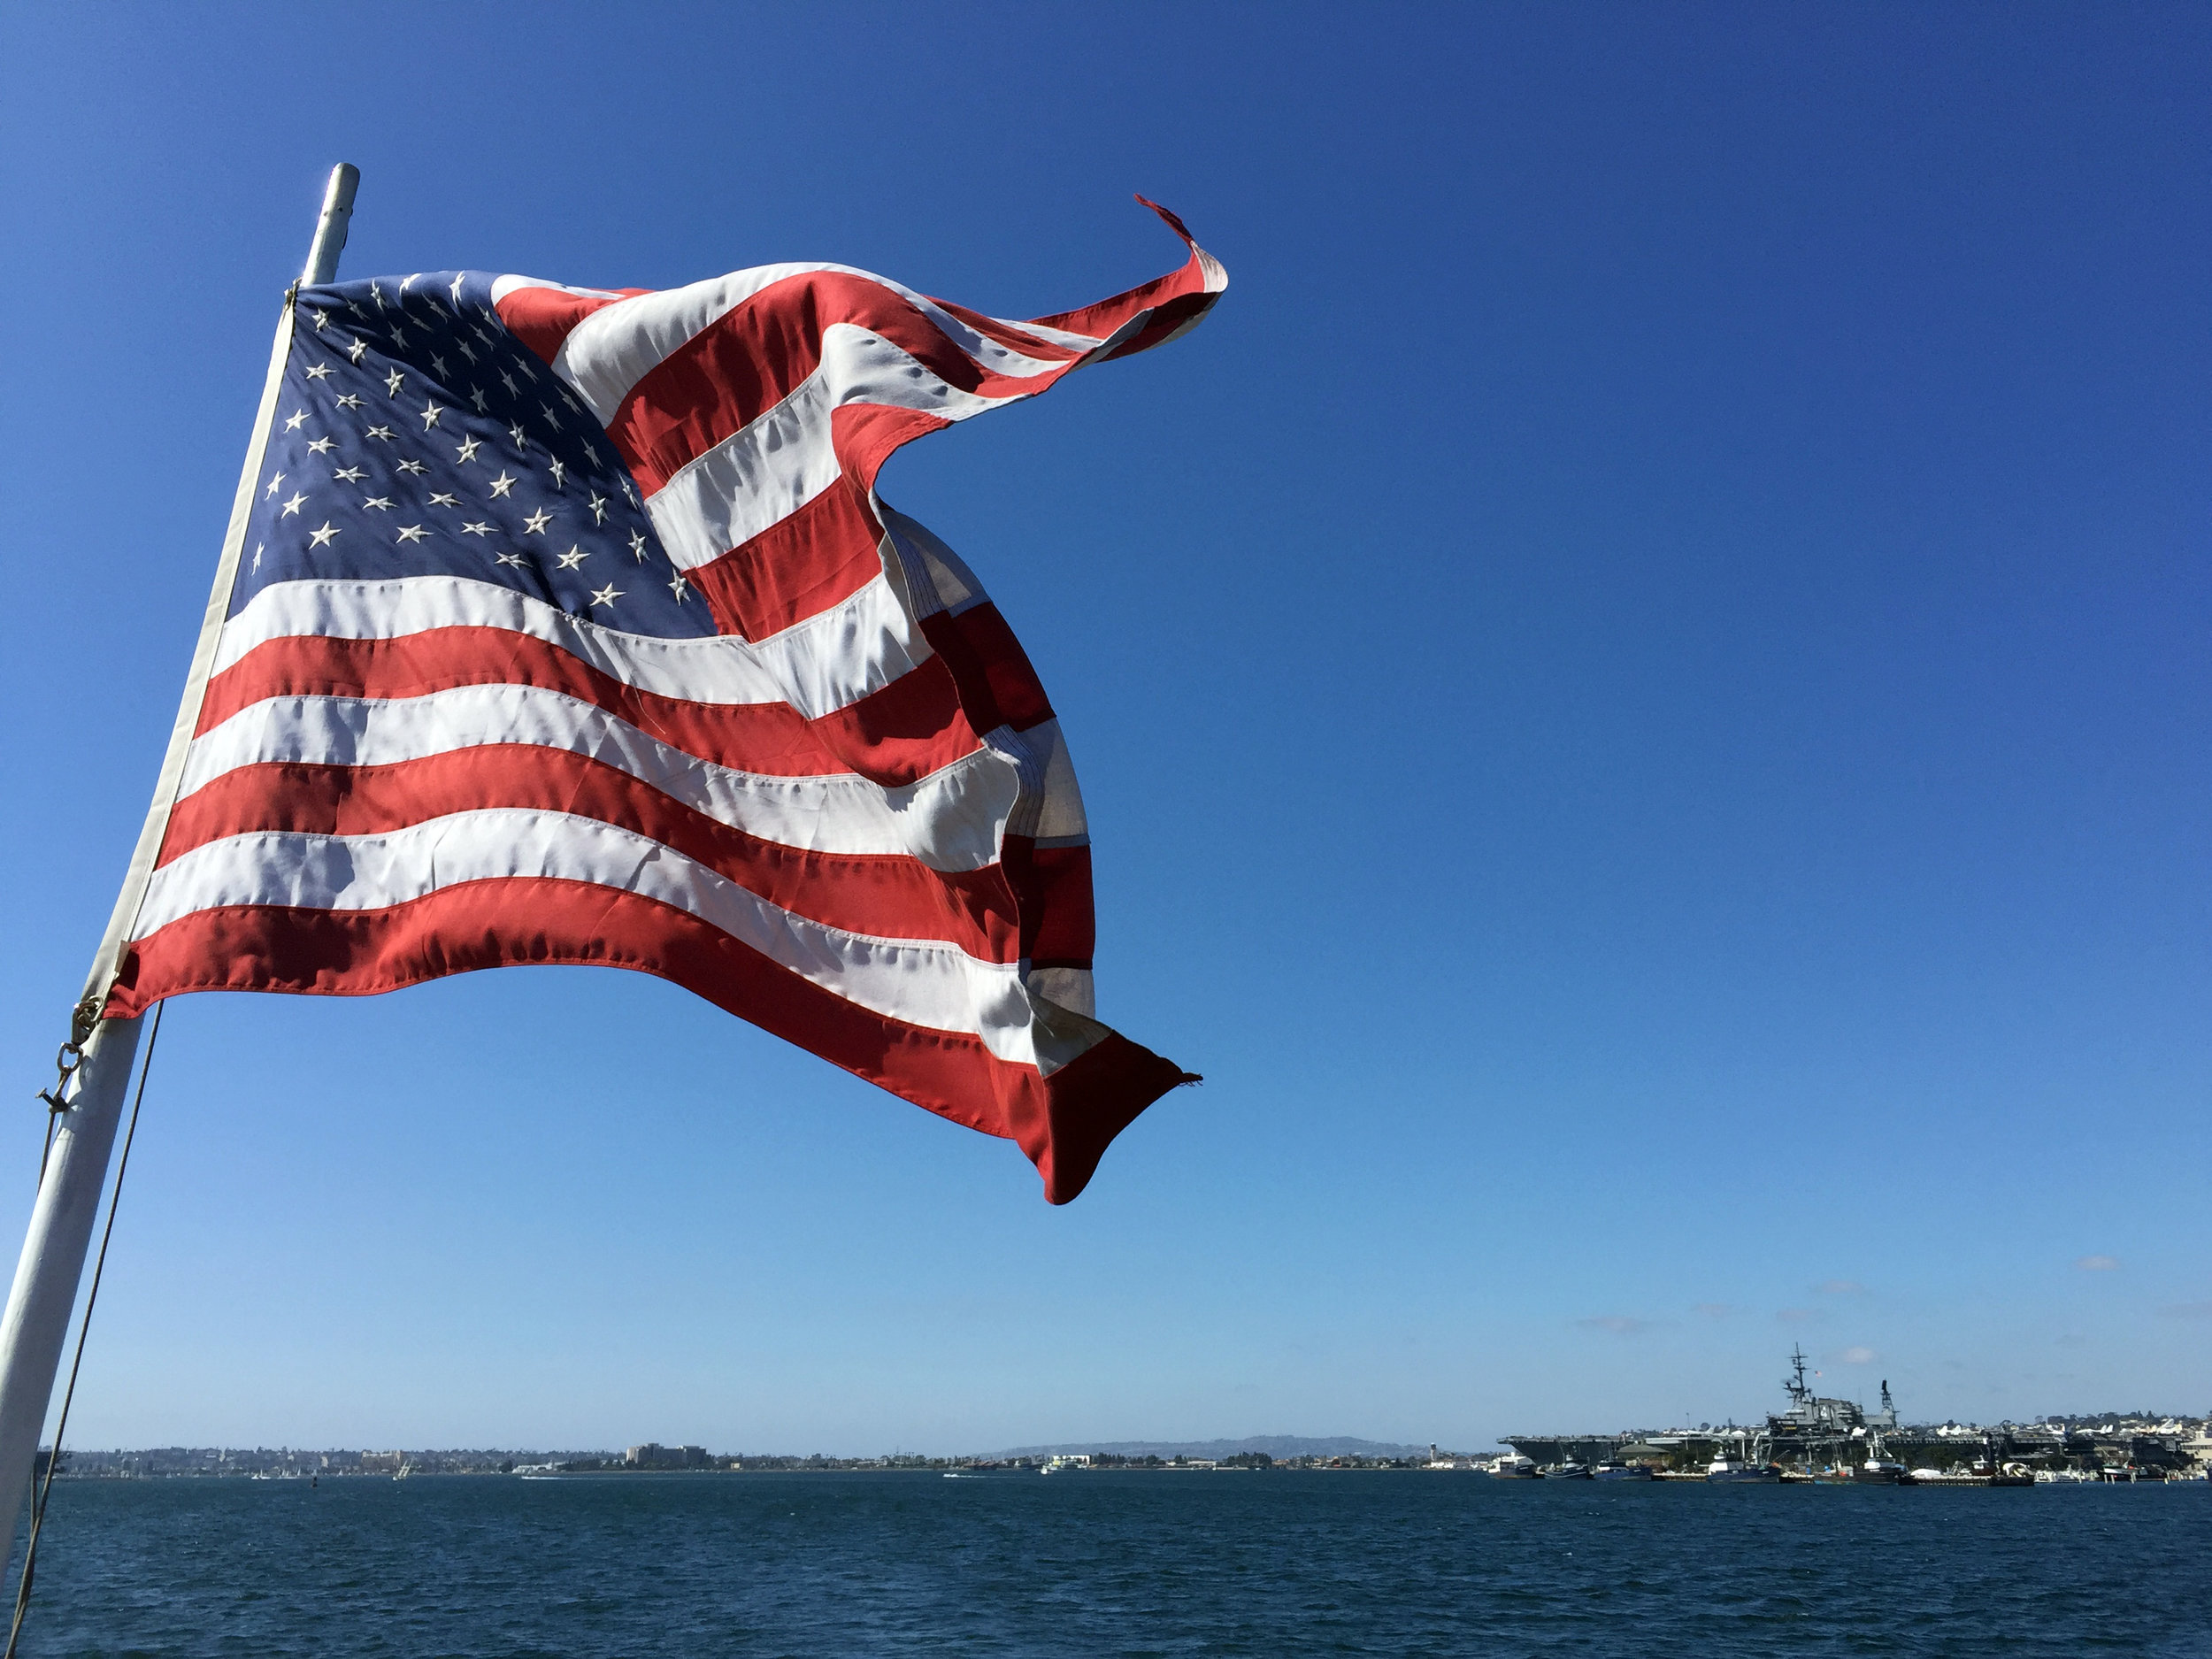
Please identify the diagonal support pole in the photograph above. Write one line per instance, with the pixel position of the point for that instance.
(35, 1322)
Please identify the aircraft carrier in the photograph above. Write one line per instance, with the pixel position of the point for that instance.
(1815, 1433)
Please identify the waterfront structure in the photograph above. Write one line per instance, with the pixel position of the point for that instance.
(1815, 1435)
(653, 1455)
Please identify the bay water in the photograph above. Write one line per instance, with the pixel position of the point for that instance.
(1272, 1562)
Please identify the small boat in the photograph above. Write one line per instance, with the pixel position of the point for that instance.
(1566, 1471)
(1726, 1470)
(1621, 1471)
(1515, 1467)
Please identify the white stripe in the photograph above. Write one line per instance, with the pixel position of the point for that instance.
(933, 985)
(832, 659)
(608, 353)
(502, 287)
(951, 820)
(783, 458)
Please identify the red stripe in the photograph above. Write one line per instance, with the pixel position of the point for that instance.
(818, 555)
(771, 738)
(1172, 318)
(865, 435)
(905, 731)
(542, 318)
(892, 896)
(1052, 888)
(1009, 335)
(756, 354)
(1064, 1123)
(1103, 319)
(997, 685)
(908, 730)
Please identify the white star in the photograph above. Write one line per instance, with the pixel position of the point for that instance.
(392, 382)
(322, 446)
(275, 484)
(457, 290)
(348, 402)
(598, 508)
(551, 419)
(606, 596)
(316, 371)
(399, 336)
(574, 408)
(571, 559)
(502, 483)
(476, 396)
(407, 282)
(294, 424)
(430, 413)
(356, 349)
(293, 506)
(385, 433)
(377, 294)
(512, 389)
(439, 498)
(513, 558)
(534, 525)
(322, 320)
(476, 529)
(528, 374)
(629, 492)
(412, 467)
(469, 447)
(382, 503)
(438, 362)
(349, 475)
(317, 537)
(521, 438)
(411, 533)
(637, 545)
(257, 548)
(559, 469)
(468, 351)
(679, 587)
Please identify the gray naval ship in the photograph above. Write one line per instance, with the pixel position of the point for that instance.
(1812, 1432)
(1815, 1436)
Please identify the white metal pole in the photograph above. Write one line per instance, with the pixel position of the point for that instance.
(35, 1323)
(330, 229)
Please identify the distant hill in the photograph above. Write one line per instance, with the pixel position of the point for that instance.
(1274, 1445)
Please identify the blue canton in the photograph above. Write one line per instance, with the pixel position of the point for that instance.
(414, 436)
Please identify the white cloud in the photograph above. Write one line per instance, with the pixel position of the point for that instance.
(2099, 1263)
(1858, 1356)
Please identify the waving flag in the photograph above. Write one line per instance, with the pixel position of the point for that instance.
(566, 625)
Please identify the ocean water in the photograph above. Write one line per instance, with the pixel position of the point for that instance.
(1273, 1563)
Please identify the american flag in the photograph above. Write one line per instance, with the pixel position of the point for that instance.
(566, 625)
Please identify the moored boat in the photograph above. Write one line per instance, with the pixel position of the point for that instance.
(1726, 1470)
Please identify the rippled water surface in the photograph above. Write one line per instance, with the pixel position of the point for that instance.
(1389, 1563)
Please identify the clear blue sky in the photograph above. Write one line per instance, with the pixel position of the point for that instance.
(1641, 686)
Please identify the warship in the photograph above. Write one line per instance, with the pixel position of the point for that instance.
(1817, 1437)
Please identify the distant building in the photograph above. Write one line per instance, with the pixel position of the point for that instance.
(653, 1455)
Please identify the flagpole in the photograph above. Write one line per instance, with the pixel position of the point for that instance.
(35, 1322)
